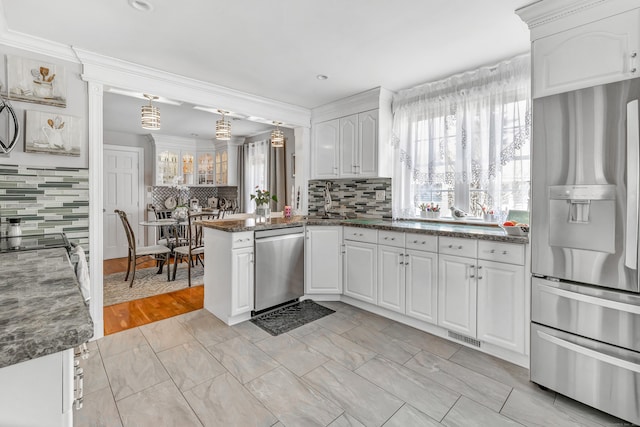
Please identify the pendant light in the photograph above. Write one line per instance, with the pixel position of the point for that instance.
(150, 114)
(277, 136)
(223, 129)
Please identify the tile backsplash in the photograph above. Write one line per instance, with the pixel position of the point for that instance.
(48, 200)
(352, 196)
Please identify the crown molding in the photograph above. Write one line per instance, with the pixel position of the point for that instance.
(363, 101)
(544, 11)
(546, 17)
(127, 75)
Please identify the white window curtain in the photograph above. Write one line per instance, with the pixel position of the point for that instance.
(256, 171)
(464, 142)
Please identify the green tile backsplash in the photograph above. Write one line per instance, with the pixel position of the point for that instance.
(49, 200)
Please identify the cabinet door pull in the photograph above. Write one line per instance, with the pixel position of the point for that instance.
(492, 251)
(450, 246)
(415, 241)
(471, 267)
(504, 252)
(460, 247)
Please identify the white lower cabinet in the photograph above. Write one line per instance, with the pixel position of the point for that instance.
(242, 281)
(457, 294)
(323, 260)
(501, 304)
(422, 285)
(360, 270)
(391, 278)
(228, 274)
(38, 392)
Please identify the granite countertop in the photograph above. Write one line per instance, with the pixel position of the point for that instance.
(41, 307)
(249, 224)
(440, 228)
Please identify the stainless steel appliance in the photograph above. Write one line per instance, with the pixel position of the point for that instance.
(279, 266)
(585, 305)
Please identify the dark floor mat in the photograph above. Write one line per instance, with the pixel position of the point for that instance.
(290, 317)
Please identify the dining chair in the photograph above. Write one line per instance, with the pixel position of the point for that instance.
(160, 252)
(193, 252)
(170, 235)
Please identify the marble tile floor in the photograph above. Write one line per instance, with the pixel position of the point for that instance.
(355, 369)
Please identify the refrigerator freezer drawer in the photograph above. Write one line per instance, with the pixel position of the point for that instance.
(596, 313)
(597, 374)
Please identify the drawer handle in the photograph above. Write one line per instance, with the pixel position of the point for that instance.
(624, 364)
(504, 252)
(415, 241)
(492, 251)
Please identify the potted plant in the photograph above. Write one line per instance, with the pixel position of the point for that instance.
(262, 199)
(423, 209)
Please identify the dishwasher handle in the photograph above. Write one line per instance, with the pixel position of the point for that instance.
(279, 238)
(278, 232)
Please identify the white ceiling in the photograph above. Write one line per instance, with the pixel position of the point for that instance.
(276, 48)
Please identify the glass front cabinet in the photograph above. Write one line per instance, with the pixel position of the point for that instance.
(175, 161)
(206, 168)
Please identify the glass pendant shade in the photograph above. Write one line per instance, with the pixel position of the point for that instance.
(150, 115)
(223, 128)
(277, 136)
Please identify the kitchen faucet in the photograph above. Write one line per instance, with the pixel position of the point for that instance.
(327, 197)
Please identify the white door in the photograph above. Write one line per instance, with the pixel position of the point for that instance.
(241, 281)
(123, 185)
(457, 294)
(324, 150)
(367, 143)
(323, 243)
(422, 285)
(360, 271)
(391, 273)
(348, 146)
(501, 304)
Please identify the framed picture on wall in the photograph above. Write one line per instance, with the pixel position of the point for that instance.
(51, 133)
(35, 81)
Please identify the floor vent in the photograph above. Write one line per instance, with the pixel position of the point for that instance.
(474, 342)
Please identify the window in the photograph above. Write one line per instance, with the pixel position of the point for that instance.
(464, 142)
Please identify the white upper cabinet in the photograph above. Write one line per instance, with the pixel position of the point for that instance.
(577, 45)
(348, 150)
(346, 136)
(354, 147)
(601, 52)
(175, 160)
(368, 125)
(325, 148)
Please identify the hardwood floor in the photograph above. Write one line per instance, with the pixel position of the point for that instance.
(139, 312)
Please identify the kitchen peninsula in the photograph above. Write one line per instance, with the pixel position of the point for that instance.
(456, 280)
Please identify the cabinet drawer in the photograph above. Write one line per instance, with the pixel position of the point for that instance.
(242, 240)
(391, 238)
(457, 246)
(361, 234)
(501, 252)
(421, 242)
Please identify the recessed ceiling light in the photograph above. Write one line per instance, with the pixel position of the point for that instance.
(322, 77)
(142, 5)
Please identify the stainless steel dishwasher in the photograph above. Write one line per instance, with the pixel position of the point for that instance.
(279, 266)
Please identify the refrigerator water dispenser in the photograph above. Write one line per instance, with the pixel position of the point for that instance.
(582, 217)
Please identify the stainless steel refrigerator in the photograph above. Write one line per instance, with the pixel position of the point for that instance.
(585, 303)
